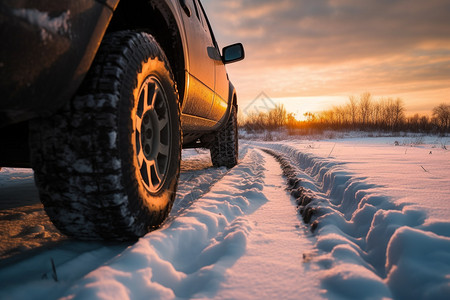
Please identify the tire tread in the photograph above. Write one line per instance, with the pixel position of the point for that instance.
(81, 188)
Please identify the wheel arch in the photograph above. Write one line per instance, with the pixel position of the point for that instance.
(232, 101)
(162, 20)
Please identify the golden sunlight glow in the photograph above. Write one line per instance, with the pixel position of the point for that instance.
(301, 105)
(296, 105)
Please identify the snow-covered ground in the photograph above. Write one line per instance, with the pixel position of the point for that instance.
(372, 222)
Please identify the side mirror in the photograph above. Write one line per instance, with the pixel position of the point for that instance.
(233, 53)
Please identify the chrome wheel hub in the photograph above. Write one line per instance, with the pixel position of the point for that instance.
(152, 134)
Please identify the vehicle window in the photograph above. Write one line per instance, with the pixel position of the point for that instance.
(196, 10)
(201, 15)
(205, 22)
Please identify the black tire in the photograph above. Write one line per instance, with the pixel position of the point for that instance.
(107, 165)
(225, 147)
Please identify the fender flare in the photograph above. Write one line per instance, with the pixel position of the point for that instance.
(232, 101)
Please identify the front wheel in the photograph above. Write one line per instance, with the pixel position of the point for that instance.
(107, 165)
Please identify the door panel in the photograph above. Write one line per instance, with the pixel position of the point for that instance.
(221, 89)
(200, 96)
(221, 83)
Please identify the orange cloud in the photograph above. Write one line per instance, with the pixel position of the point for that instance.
(338, 47)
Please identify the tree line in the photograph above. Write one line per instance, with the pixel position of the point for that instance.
(361, 112)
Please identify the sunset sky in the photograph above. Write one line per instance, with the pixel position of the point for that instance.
(312, 54)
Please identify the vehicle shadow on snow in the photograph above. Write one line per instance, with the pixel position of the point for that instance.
(59, 264)
(31, 248)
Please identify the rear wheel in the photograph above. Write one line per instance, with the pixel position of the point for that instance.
(107, 165)
(224, 149)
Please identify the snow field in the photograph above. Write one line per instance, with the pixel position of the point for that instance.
(377, 227)
(228, 244)
(370, 246)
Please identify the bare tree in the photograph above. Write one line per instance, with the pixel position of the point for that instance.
(442, 115)
(385, 120)
(327, 117)
(414, 122)
(352, 107)
(340, 115)
(363, 111)
(365, 108)
(398, 109)
(377, 112)
(424, 123)
(310, 117)
(277, 116)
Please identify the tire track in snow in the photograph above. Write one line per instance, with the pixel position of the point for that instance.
(185, 258)
(272, 267)
(33, 265)
(196, 179)
(368, 245)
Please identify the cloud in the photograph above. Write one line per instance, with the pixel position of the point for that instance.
(307, 31)
(370, 43)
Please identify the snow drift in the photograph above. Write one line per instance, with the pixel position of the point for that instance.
(370, 247)
(377, 226)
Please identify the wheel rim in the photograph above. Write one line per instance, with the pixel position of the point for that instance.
(152, 134)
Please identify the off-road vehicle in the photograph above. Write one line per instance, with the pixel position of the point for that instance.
(100, 96)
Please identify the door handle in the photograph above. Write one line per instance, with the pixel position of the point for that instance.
(186, 8)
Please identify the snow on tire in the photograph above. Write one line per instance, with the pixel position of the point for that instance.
(224, 149)
(107, 165)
